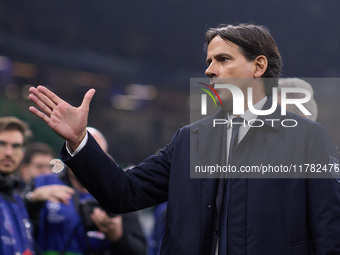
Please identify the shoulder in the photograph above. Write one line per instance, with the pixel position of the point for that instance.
(309, 127)
(315, 137)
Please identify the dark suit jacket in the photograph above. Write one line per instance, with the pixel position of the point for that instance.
(266, 216)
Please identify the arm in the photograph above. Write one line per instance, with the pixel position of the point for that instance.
(116, 190)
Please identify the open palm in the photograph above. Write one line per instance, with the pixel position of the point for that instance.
(67, 121)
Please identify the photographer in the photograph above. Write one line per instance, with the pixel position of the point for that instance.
(68, 219)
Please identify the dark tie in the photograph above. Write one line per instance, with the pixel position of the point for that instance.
(236, 123)
(222, 247)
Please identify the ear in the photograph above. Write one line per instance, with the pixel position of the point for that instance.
(261, 64)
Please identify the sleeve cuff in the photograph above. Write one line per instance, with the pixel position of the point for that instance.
(80, 147)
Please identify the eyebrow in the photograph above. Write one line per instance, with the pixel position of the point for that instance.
(220, 55)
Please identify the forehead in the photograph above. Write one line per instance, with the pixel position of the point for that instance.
(219, 45)
(41, 157)
(12, 136)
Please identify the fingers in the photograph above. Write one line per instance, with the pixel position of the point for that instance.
(53, 193)
(39, 114)
(63, 193)
(47, 93)
(40, 99)
(44, 100)
(87, 98)
(47, 101)
(67, 121)
(98, 215)
(101, 217)
(111, 227)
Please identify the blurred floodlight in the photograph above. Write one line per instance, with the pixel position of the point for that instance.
(24, 70)
(124, 102)
(88, 79)
(12, 91)
(142, 92)
(25, 92)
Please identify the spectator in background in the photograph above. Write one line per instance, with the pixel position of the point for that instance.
(311, 105)
(15, 227)
(62, 211)
(158, 230)
(36, 162)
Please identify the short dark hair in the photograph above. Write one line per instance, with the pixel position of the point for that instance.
(9, 123)
(36, 148)
(253, 40)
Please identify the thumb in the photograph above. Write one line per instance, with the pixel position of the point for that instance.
(87, 98)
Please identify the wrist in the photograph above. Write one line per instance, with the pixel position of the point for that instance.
(74, 144)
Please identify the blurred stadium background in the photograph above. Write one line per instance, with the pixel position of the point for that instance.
(140, 56)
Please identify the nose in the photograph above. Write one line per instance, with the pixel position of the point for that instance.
(211, 71)
(9, 150)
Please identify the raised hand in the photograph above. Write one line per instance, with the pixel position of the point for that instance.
(67, 121)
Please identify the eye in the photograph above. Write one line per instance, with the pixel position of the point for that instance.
(17, 146)
(224, 59)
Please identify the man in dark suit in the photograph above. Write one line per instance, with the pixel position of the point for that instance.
(236, 215)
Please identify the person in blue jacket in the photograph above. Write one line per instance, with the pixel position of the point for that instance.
(158, 229)
(246, 213)
(68, 220)
(15, 227)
